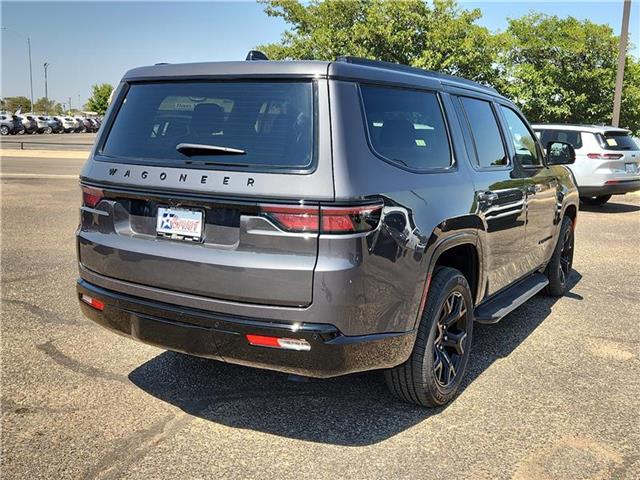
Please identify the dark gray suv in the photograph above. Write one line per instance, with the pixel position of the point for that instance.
(320, 218)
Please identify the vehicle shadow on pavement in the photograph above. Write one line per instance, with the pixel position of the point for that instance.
(610, 207)
(353, 410)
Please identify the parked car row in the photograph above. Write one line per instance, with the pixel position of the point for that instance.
(33, 124)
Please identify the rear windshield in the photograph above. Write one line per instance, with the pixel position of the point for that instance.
(229, 124)
(617, 141)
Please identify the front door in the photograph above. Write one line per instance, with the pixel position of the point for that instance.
(540, 189)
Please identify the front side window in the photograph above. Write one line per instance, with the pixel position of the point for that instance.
(268, 125)
(487, 140)
(522, 139)
(406, 127)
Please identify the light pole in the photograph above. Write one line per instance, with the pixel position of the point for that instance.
(30, 69)
(622, 57)
(46, 91)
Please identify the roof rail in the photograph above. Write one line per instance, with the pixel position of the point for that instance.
(414, 70)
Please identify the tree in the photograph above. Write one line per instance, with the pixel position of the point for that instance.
(99, 100)
(563, 70)
(12, 104)
(438, 36)
(42, 105)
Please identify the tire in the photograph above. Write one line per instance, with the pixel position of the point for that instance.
(561, 262)
(4, 130)
(48, 130)
(422, 379)
(595, 201)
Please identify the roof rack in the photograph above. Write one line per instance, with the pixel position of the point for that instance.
(414, 70)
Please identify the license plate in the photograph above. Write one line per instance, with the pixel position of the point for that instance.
(630, 167)
(179, 223)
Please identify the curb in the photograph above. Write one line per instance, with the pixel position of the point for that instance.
(5, 152)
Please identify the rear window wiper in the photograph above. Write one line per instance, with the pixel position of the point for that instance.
(192, 149)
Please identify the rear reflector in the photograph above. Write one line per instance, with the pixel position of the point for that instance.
(94, 302)
(277, 342)
(605, 156)
(91, 196)
(325, 219)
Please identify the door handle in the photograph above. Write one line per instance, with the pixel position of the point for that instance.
(534, 189)
(488, 197)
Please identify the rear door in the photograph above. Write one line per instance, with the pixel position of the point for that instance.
(211, 189)
(500, 200)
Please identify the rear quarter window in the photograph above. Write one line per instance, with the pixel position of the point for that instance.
(271, 122)
(406, 127)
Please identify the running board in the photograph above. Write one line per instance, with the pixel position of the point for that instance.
(505, 302)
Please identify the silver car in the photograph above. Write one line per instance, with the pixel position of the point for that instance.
(607, 159)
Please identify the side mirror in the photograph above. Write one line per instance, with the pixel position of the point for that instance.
(560, 153)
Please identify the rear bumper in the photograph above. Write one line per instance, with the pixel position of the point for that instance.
(222, 337)
(617, 188)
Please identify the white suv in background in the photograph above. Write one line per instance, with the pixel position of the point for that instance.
(607, 159)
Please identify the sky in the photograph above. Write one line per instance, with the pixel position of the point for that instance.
(94, 42)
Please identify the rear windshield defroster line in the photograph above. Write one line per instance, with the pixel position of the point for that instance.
(272, 122)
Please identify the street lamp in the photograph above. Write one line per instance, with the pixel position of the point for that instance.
(46, 92)
(30, 69)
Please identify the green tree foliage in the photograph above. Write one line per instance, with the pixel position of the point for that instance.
(99, 100)
(564, 69)
(436, 36)
(555, 69)
(12, 104)
(42, 105)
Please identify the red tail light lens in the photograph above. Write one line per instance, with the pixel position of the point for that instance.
(362, 218)
(325, 219)
(91, 196)
(605, 156)
(293, 218)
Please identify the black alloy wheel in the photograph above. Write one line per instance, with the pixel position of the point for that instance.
(566, 255)
(449, 345)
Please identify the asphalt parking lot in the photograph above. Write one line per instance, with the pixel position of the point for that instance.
(553, 390)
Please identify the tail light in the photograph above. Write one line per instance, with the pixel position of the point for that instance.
(325, 219)
(91, 196)
(293, 218)
(605, 156)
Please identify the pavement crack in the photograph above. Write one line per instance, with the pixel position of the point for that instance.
(115, 464)
(74, 365)
(42, 314)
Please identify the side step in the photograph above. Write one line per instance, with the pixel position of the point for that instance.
(505, 302)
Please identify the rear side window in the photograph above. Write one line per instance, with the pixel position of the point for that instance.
(487, 140)
(574, 138)
(268, 125)
(617, 141)
(406, 127)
